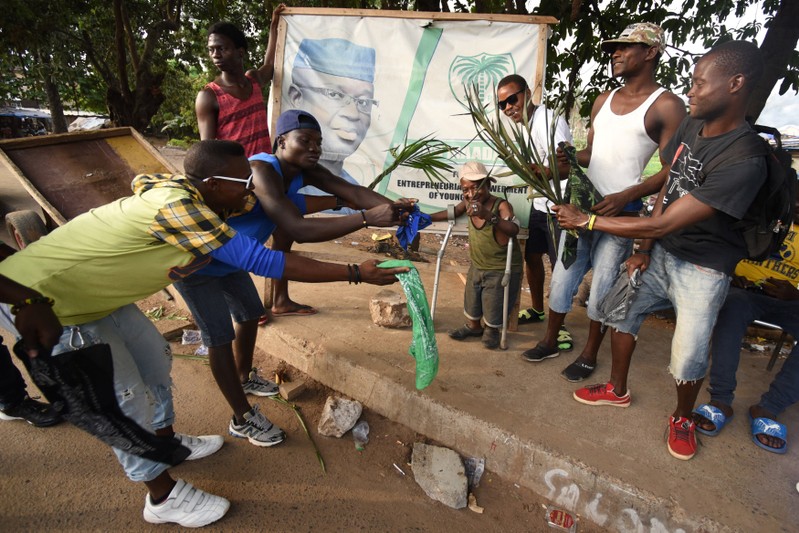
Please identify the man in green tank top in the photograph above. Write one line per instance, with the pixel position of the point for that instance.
(491, 225)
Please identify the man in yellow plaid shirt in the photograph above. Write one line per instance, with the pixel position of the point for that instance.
(98, 264)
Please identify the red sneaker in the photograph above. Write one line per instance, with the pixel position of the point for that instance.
(601, 395)
(682, 440)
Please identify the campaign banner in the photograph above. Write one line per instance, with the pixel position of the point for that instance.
(377, 82)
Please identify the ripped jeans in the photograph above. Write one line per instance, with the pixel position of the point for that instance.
(142, 380)
(696, 293)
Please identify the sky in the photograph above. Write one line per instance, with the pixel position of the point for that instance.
(781, 111)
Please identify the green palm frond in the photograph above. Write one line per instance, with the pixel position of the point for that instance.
(513, 145)
(427, 154)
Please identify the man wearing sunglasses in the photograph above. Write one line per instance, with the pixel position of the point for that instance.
(627, 125)
(93, 268)
(221, 290)
(515, 100)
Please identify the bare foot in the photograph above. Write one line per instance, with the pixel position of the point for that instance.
(293, 309)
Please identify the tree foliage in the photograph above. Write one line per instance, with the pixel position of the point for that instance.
(576, 40)
(140, 59)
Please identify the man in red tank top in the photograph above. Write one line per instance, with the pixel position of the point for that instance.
(231, 107)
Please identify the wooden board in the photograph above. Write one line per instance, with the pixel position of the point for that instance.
(71, 173)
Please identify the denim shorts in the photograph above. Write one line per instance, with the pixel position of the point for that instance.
(484, 295)
(596, 250)
(142, 381)
(696, 293)
(214, 299)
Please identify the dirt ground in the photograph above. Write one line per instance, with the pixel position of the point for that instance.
(47, 486)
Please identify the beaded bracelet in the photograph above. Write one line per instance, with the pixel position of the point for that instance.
(31, 301)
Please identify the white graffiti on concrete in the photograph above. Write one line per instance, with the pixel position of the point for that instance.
(565, 493)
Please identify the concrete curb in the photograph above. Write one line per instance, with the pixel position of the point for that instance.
(563, 480)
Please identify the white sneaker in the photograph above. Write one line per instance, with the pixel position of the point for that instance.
(200, 446)
(259, 386)
(187, 506)
(257, 429)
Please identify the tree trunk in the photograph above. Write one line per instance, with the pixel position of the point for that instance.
(53, 96)
(777, 48)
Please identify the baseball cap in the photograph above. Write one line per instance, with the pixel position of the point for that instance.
(639, 33)
(473, 171)
(294, 119)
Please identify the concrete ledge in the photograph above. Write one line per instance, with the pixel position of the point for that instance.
(560, 479)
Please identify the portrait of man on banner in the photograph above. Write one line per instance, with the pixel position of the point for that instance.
(333, 79)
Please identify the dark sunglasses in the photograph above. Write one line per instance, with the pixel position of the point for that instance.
(510, 100)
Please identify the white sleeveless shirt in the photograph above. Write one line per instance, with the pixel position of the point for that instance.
(621, 147)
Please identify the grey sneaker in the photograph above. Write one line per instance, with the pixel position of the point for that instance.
(259, 386)
(187, 506)
(200, 446)
(257, 429)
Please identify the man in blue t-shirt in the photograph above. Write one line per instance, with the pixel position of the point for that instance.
(220, 291)
(689, 249)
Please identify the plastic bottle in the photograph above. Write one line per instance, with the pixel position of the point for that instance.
(360, 434)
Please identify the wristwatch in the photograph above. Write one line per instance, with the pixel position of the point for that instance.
(494, 220)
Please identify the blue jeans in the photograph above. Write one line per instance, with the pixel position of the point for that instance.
(595, 249)
(696, 293)
(740, 309)
(212, 300)
(142, 381)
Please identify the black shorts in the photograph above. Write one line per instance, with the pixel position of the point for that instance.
(539, 240)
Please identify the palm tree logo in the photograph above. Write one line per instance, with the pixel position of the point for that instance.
(482, 71)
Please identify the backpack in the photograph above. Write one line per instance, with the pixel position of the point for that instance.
(768, 219)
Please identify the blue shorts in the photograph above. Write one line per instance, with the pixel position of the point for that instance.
(696, 293)
(214, 299)
(597, 251)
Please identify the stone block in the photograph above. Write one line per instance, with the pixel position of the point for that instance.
(389, 310)
(292, 389)
(440, 473)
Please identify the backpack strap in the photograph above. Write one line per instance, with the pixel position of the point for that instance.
(745, 145)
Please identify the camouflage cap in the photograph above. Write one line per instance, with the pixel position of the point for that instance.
(640, 33)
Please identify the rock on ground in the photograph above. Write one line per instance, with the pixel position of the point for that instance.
(338, 416)
(440, 473)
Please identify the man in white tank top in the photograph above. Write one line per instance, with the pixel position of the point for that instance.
(627, 125)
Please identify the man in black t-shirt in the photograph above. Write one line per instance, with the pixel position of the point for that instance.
(689, 250)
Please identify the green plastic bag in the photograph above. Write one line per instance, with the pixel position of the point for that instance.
(423, 346)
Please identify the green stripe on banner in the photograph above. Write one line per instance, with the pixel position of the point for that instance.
(424, 54)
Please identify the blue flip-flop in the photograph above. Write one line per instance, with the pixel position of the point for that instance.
(772, 428)
(715, 416)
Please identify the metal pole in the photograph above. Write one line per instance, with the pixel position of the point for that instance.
(503, 341)
(439, 256)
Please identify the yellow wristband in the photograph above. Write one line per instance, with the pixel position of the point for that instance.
(591, 221)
